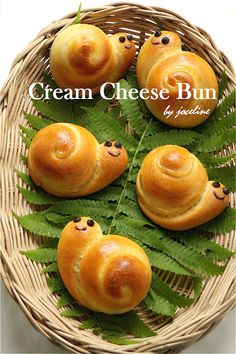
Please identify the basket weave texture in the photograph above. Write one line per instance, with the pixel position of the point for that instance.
(22, 277)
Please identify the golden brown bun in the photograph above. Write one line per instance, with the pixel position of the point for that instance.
(109, 274)
(174, 192)
(164, 66)
(82, 56)
(66, 160)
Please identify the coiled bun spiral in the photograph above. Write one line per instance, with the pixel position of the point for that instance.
(109, 274)
(83, 56)
(66, 160)
(173, 189)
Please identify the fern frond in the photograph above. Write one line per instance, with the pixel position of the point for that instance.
(131, 209)
(176, 137)
(38, 198)
(41, 255)
(38, 224)
(55, 284)
(29, 132)
(212, 161)
(51, 268)
(26, 178)
(56, 112)
(77, 312)
(222, 124)
(157, 304)
(36, 122)
(26, 140)
(225, 105)
(92, 208)
(222, 224)
(203, 245)
(224, 174)
(162, 289)
(223, 84)
(131, 110)
(24, 159)
(105, 127)
(215, 141)
(110, 193)
(197, 286)
(65, 299)
(162, 261)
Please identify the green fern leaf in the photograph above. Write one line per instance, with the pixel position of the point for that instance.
(162, 289)
(136, 326)
(26, 178)
(162, 261)
(131, 209)
(220, 125)
(26, 140)
(38, 224)
(24, 159)
(38, 198)
(131, 110)
(197, 286)
(223, 84)
(55, 284)
(222, 224)
(203, 245)
(65, 299)
(157, 304)
(105, 127)
(88, 324)
(29, 132)
(110, 193)
(36, 122)
(91, 208)
(224, 174)
(215, 141)
(76, 312)
(225, 105)
(176, 137)
(51, 268)
(77, 19)
(212, 161)
(55, 112)
(41, 255)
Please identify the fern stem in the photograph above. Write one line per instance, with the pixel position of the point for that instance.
(127, 179)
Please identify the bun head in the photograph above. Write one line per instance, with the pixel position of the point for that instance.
(173, 189)
(109, 274)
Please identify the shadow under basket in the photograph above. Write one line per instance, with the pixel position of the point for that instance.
(23, 278)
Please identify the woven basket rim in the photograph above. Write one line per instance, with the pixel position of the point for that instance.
(82, 342)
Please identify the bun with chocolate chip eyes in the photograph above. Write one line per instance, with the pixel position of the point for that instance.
(174, 191)
(66, 160)
(109, 274)
(82, 56)
(189, 82)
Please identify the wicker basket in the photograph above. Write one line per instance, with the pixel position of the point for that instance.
(23, 278)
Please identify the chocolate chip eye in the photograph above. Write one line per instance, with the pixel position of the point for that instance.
(225, 191)
(108, 143)
(165, 40)
(77, 219)
(157, 34)
(122, 39)
(90, 222)
(129, 37)
(118, 145)
(216, 184)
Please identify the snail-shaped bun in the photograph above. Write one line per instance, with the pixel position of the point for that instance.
(173, 189)
(109, 274)
(82, 56)
(66, 160)
(161, 65)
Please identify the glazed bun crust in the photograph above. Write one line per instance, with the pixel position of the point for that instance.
(67, 161)
(109, 274)
(166, 66)
(173, 189)
(82, 56)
